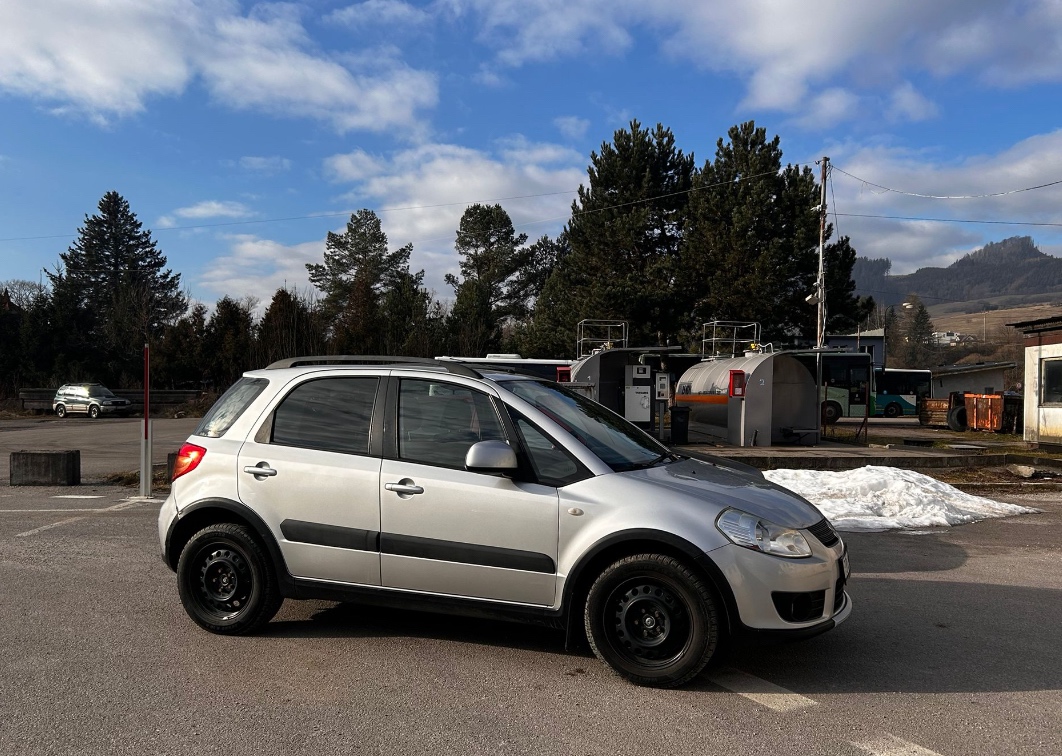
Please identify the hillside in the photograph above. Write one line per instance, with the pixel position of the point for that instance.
(1006, 274)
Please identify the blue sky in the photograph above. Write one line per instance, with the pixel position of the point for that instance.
(279, 119)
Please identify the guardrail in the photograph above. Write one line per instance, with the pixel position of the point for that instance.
(40, 399)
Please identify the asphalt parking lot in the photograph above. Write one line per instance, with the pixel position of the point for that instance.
(953, 648)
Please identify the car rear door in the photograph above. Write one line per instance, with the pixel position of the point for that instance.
(447, 530)
(312, 471)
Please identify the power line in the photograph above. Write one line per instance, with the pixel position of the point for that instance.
(951, 220)
(948, 197)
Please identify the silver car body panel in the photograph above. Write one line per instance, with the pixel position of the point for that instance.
(334, 494)
(510, 528)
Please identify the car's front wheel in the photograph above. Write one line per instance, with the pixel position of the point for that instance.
(653, 620)
(226, 581)
(94, 411)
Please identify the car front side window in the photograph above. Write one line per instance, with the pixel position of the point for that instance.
(438, 422)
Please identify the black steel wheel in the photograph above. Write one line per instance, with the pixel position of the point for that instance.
(226, 581)
(94, 411)
(60, 410)
(893, 410)
(653, 620)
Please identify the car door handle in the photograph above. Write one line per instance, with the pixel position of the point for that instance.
(261, 470)
(403, 488)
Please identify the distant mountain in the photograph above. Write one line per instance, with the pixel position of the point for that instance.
(1013, 269)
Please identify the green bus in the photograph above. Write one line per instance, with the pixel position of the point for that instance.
(897, 391)
(847, 382)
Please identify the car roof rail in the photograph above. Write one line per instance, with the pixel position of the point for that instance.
(456, 368)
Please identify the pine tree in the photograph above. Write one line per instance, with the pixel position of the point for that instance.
(624, 234)
(113, 287)
(750, 252)
(361, 281)
(494, 287)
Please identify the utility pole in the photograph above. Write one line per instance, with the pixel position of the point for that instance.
(820, 285)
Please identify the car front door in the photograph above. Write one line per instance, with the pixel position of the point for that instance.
(447, 530)
(312, 473)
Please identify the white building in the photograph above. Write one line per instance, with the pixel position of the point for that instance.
(1043, 379)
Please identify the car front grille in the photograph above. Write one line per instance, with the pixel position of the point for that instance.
(824, 532)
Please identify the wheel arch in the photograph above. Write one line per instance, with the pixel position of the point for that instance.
(199, 515)
(627, 543)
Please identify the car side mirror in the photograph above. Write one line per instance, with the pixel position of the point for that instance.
(491, 457)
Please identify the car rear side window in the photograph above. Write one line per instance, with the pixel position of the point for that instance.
(329, 414)
(230, 406)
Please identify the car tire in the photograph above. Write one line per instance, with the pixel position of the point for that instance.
(94, 411)
(893, 410)
(226, 580)
(60, 410)
(831, 413)
(652, 620)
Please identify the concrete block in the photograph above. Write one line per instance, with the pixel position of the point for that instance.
(46, 468)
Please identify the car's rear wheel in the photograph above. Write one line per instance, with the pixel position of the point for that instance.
(60, 410)
(94, 411)
(653, 620)
(226, 581)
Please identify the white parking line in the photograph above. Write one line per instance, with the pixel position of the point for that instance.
(125, 504)
(890, 745)
(762, 692)
(78, 496)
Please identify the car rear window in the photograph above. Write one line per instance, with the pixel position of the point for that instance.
(230, 406)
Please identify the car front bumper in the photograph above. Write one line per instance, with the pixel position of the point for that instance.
(763, 586)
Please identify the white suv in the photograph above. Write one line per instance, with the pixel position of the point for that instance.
(436, 486)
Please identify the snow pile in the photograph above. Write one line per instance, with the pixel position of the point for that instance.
(887, 498)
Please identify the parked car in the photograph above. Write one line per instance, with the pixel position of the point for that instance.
(433, 485)
(92, 399)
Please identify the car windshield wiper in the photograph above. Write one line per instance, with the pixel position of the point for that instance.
(653, 463)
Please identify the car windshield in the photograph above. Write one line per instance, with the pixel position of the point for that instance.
(618, 443)
(100, 391)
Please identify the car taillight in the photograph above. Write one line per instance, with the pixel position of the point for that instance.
(188, 458)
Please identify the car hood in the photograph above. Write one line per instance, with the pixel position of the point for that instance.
(724, 485)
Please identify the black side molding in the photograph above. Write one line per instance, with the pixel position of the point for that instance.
(330, 535)
(467, 553)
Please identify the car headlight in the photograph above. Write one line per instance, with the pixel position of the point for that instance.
(763, 535)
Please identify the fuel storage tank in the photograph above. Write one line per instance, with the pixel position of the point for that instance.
(760, 399)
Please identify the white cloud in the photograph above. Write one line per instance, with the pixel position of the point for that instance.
(572, 127)
(429, 186)
(390, 13)
(353, 166)
(258, 267)
(107, 58)
(792, 55)
(206, 209)
(912, 244)
(99, 57)
(265, 165)
(263, 62)
(828, 108)
(908, 104)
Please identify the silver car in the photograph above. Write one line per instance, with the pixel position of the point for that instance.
(435, 486)
(92, 399)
